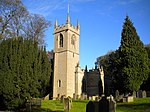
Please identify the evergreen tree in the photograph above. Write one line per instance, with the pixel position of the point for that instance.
(133, 59)
(24, 71)
(146, 84)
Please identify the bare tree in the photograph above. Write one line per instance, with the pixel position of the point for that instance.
(15, 21)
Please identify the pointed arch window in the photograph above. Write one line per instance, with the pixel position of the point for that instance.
(73, 39)
(61, 41)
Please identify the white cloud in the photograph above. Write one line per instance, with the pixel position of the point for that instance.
(47, 7)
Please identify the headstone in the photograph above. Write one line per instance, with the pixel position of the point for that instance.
(77, 96)
(134, 94)
(28, 106)
(46, 97)
(144, 94)
(58, 97)
(128, 99)
(74, 96)
(117, 95)
(112, 104)
(94, 98)
(90, 107)
(83, 96)
(96, 105)
(67, 104)
(139, 94)
(97, 98)
(90, 98)
(62, 99)
(104, 105)
(148, 93)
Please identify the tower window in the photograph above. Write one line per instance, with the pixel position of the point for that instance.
(59, 83)
(73, 40)
(61, 41)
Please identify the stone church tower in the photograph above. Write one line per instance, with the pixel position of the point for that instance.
(67, 73)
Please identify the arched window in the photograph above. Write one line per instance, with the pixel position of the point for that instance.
(59, 83)
(61, 41)
(73, 40)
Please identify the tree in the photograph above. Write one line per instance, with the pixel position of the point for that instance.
(146, 84)
(24, 71)
(16, 21)
(133, 59)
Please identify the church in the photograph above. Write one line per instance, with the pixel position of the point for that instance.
(68, 78)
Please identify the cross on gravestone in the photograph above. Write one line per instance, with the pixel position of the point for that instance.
(112, 104)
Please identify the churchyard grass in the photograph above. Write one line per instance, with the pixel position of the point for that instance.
(139, 105)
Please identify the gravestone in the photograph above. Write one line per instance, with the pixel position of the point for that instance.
(96, 105)
(144, 94)
(62, 99)
(90, 107)
(139, 94)
(28, 106)
(83, 96)
(128, 99)
(134, 94)
(148, 93)
(112, 104)
(103, 105)
(74, 96)
(90, 98)
(67, 104)
(117, 95)
(97, 98)
(77, 96)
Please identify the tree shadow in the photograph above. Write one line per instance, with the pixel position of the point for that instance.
(45, 110)
(142, 106)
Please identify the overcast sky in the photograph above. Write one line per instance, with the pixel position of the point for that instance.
(101, 22)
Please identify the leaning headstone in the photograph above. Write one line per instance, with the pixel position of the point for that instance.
(143, 94)
(112, 104)
(117, 95)
(90, 107)
(103, 105)
(134, 94)
(67, 104)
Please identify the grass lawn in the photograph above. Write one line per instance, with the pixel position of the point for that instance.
(139, 105)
